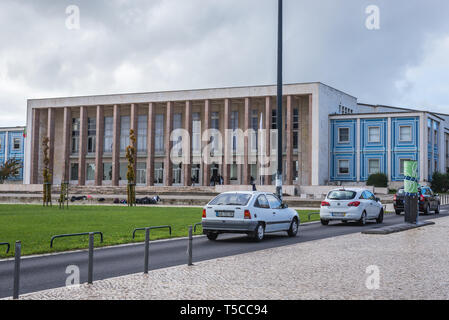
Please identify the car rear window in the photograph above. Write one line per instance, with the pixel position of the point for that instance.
(231, 199)
(341, 195)
(401, 191)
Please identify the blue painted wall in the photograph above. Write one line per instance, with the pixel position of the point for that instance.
(403, 149)
(343, 151)
(373, 149)
(376, 150)
(12, 152)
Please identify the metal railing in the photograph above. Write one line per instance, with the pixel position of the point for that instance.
(312, 214)
(17, 257)
(8, 246)
(190, 243)
(75, 235)
(147, 243)
(90, 266)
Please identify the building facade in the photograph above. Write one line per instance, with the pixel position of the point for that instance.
(12, 146)
(328, 137)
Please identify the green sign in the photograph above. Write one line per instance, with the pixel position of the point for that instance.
(411, 177)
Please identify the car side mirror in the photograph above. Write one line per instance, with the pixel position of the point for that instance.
(284, 206)
(377, 200)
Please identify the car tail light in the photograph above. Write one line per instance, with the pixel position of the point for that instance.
(422, 198)
(395, 197)
(247, 215)
(354, 204)
(325, 204)
(204, 213)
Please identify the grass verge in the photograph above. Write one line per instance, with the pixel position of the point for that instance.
(35, 225)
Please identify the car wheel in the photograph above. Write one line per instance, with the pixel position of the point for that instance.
(212, 236)
(293, 231)
(324, 222)
(427, 210)
(398, 212)
(380, 218)
(259, 234)
(362, 220)
(437, 210)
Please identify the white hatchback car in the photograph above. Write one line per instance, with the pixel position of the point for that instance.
(253, 213)
(351, 205)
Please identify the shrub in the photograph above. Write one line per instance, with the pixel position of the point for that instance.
(378, 180)
(440, 182)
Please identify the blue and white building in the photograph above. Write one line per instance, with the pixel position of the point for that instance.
(12, 145)
(381, 138)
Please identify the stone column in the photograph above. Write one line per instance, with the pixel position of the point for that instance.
(34, 170)
(268, 119)
(205, 159)
(99, 147)
(116, 146)
(168, 166)
(227, 143)
(246, 125)
(51, 140)
(187, 146)
(150, 145)
(67, 128)
(289, 140)
(82, 147)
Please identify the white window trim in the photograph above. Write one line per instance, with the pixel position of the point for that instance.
(349, 135)
(401, 173)
(339, 167)
(379, 137)
(411, 133)
(378, 161)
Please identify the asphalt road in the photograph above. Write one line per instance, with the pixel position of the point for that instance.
(47, 272)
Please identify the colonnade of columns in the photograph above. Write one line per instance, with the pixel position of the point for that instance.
(66, 157)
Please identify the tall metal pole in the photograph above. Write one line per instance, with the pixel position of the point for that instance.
(279, 103)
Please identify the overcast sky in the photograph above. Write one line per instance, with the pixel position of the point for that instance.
(152, 45)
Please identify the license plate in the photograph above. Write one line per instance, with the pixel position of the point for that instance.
(225, 214)
(338, 214)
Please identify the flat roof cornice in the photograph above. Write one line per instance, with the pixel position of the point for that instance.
(182, 95)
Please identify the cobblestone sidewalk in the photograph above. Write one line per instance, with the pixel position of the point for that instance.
(412, 265)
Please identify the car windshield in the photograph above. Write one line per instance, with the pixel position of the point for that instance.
(341, 195)
(231, 199)
(401, 191)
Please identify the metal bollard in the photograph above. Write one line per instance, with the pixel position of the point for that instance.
(147, 250)
(190, 247)
(17, 270)
(91, 259)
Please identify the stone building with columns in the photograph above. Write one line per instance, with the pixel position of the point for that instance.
(89, 135)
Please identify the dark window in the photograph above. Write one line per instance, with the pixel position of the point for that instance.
(274, 123)
(74, 171)
(16, 143)
(341, 195)
(275, 203)
(231, 199)
(262, 202)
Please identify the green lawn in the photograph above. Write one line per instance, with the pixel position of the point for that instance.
(35, 225)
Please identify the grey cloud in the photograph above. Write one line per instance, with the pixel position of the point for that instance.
(170, 44)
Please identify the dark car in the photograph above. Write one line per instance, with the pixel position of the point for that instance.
(428, 201)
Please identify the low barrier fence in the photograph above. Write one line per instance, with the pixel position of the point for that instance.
(147, 243)
(8, 246)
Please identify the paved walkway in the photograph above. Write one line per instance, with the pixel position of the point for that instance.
(411, 265)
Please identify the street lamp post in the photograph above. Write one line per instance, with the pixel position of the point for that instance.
(279, 103)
